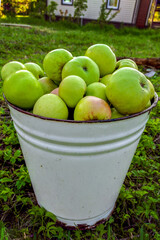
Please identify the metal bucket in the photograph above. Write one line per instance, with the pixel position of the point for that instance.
(77, 168)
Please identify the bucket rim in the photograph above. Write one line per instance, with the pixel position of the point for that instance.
(90, 121)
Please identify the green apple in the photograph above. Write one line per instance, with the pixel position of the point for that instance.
(148, 104)
(105, 79)
(126, 63)
(72, 89)
(83, 67)
(51, 106)
(103, 56)
(97, 89)
(92, 108)
(47, 84)
(22, 89)
(56, 91)
(35, 69)
(53, 63)
(128, 90)
(116, 114)
(152, 90)
(11, 67)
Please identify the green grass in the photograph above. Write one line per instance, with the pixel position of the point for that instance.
(129, 42)
(136, 215)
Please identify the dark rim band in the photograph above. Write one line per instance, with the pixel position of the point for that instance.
(91, 121)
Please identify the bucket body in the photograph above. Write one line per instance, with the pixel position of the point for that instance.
(77, 168)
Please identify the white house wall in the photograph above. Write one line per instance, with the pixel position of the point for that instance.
(125, 15)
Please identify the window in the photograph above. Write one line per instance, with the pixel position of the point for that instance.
(113, 4)
(67, 2)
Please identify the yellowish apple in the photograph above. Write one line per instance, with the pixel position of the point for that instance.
(47, 84)
(22, 89)
(105, 79)
(72, 89)
(97, 89)
(56, 91)
(35, 69)
(54, 62)
(126, 63)
(128, 90)
(11, 67)
(51, 106)
(92, 108)
(103, 56)
(152, 90)
(83, 67)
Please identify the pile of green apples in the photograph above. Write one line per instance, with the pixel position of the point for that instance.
(91, 87)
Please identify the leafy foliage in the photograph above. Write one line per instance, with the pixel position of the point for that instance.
(106, 16)
(51, 10)
(136, 215)
(13, 7)
(38, 8)
(80, 6)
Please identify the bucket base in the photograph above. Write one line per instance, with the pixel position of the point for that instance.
(86, 223)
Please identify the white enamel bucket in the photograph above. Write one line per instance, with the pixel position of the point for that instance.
(77, 168)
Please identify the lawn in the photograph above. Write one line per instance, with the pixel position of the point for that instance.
(137, 211)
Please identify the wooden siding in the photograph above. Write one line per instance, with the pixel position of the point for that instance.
(125, 15)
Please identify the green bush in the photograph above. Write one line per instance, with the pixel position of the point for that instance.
(105, 16)
(51, 8)
(14, 7)
(80, 6)
(38, 8)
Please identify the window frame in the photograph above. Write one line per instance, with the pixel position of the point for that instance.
(112, 8)
(67, 4)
